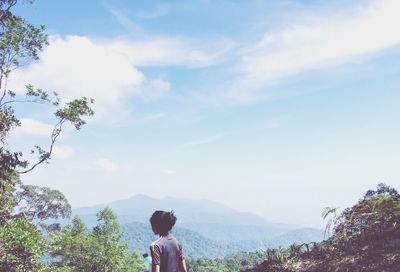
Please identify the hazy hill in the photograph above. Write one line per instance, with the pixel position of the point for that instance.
(206, 228)
(140, 207)
(234, 232)
(302, 235)
(139, 236)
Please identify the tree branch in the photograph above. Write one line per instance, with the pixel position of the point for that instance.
(56, 132)
(4, 90)
(5, 12)
(22, 101)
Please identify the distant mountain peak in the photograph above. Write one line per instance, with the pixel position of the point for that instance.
(139, 207)
(141, 196)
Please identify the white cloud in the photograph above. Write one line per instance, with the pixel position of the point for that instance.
(327, 40)
(76, 66)
(107, 165)
(62, 152)
(107, 70)
(164, 51)
(33, 127)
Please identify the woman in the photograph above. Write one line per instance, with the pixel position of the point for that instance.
(166, 251)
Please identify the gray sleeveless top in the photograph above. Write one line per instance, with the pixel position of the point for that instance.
(167, 253)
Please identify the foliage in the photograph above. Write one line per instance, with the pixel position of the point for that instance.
(236, 262)
(139, 236)
(366, 237)
(22, 246)
(377, 213)
(24, 207)
(41, 203)
(20, 43)
(330, 212)
(97, 250)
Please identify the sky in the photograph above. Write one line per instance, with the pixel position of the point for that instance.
(280, 108)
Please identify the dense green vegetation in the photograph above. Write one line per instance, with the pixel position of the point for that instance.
(75, 248)
(200, 234)
(366, 237)
(139, 236)
(26, 237)
(231, 232)
(234, 262)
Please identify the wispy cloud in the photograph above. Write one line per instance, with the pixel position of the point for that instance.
(110, 70)
(168, 51)
(159, 11)
(203, 141)
(165, 50)
(327, 40)
(124, 20)
(107, 164)
(107, 70)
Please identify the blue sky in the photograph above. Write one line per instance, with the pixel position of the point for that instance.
(275, 107)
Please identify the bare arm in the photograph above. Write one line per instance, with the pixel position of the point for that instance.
(182, 266)
(156, 268)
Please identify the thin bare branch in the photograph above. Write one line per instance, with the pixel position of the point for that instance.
(23, 101)
(56, 132)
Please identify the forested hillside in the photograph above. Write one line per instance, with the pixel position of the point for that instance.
(199, 226)
(235, 232)
(139, 236)
(366, 237)
(230, 263)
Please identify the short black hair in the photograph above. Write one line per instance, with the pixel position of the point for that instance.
(163, 222)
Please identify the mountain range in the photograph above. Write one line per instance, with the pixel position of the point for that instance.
(204, 227)
(140, 207)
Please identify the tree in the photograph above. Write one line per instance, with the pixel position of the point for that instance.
(375, 216)
(22, 244)
(99, 250)
(26, 209)
(39, 204)
(20, 43)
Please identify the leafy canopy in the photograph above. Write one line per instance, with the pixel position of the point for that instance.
(24, 208)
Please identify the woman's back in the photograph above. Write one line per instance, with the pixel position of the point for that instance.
(167, 253)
